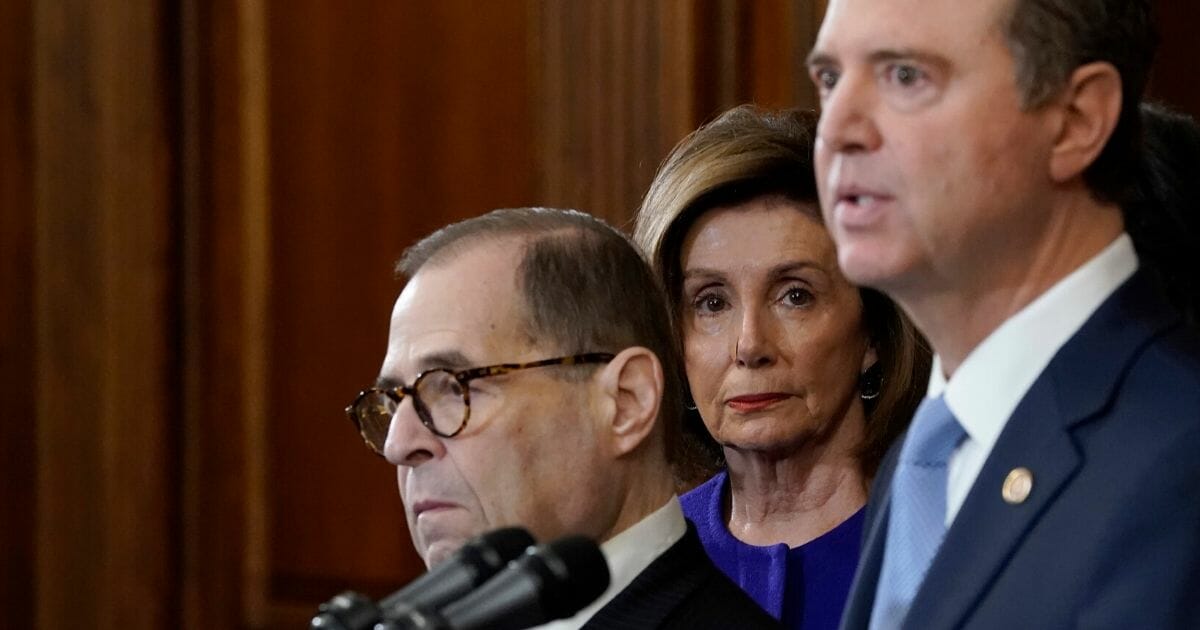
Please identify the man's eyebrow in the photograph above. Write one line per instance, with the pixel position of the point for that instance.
(819, 58)
(384, 382)
(446, 359)
(892, 54)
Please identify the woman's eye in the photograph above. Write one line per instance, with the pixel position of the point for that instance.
(709, 303)
(797, 296)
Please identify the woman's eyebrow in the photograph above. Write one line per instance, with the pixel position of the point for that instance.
(703, 272)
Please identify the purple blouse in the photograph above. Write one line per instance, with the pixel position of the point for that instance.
(805, 587)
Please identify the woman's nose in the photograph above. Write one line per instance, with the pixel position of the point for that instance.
(755, 347)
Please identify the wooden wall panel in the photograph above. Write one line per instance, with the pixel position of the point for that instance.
(18, 466)
(1174, 80)
(619, 83)
(223, 208)
(200, 203)
(103, 186)
(387, 120)
(771, 44)
(382, 124)
(599, 129)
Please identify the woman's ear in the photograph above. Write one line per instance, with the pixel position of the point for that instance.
(632, 384)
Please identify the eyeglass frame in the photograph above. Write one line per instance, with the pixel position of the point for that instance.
(463, 378)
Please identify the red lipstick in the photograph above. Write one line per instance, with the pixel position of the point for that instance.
(755, 402)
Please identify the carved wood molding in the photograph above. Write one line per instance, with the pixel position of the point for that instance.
(619, 83)
(599, 127)
(18, 429)
(105, 317)
(225, 332)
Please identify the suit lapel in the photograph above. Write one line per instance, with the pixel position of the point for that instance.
(1074, 388)
(987, 530)
(659, 589)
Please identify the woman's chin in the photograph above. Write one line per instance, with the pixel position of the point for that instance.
(770, 444)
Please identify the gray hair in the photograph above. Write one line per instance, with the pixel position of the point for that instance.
(585, 288)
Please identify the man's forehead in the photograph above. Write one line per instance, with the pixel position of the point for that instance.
(864, 26)
(466, 304)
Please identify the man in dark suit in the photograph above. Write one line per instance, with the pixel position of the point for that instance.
(531, 380)
(973, 158)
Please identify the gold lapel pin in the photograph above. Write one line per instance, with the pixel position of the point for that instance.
(1017, 486)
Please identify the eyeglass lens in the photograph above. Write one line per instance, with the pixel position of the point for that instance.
(439, 403)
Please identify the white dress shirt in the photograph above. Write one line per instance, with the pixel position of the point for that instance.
(996, 375)
(628, 554)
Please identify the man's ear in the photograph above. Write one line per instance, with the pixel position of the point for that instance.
(1091, 106)
(632, 386)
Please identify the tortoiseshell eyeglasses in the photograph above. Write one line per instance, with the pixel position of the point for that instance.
(441, 398)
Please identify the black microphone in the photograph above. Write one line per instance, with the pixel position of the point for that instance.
(548, 582)
(479, 559)
(470, 566)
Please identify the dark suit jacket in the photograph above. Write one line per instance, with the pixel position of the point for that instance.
(1109, 537)
(681, 589)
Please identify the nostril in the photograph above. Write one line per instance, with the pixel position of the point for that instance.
(755, 357)
(416, 457)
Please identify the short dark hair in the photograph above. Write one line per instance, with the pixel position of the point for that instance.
(584, 285)
(745, 154)
(1049, 39)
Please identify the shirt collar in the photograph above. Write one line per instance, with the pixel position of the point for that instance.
(629, 553)
(995, 376)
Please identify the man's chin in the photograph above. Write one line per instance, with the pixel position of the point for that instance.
(440, 550)
(867, 266)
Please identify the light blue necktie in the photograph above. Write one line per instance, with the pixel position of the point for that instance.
(917, 517)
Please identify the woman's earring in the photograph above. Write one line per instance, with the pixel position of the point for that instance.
(870, 382)
(688, 402)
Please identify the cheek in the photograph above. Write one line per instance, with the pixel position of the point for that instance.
(705, 358)
(829, 352)
(932, 178)
(1016, 165)
(401, 479)
(552, 478)
(486, 481)
(960, 208)
(927, 166)
(949, 173)
(512, 474)
(826, 167)
(822, 163)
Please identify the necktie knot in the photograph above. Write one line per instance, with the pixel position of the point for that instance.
(934, 435)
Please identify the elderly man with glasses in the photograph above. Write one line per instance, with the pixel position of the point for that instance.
(530, 380)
